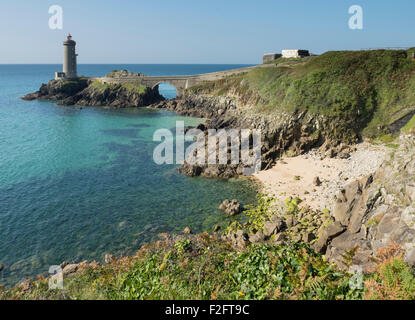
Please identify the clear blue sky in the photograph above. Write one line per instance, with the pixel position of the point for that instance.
(195, 31)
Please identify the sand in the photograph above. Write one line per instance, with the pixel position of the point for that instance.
(294, 176)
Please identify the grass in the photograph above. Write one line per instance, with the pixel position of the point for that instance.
(365, 90)
(130, 87)
(410, 126)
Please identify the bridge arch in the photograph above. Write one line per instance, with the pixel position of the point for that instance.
(166, 89)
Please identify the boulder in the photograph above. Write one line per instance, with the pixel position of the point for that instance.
(343, 155)
(25, 285)
(280, 238)
(108, 258)
(327, 234)
(70, 268)
(273, 226)
(259, 236)
(239, 239)
(307, 237)
(187, 230)
(231, 207)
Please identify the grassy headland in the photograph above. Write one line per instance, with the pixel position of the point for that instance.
(366, 90)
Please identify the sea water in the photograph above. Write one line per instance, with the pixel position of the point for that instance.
(78, 183)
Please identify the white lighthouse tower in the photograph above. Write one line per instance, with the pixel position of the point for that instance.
(69, 60)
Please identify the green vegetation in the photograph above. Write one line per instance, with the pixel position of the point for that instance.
(131, 87)
(391, 279)
(410, 126)
(71, 86)
(364, 90)
(205, 267)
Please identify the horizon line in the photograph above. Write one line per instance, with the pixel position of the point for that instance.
(111, 63)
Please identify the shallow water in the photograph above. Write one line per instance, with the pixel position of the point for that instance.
(76, 184)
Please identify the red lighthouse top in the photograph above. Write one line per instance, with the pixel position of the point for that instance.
(69, 40)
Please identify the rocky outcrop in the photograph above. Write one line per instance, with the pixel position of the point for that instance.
(231, 207)
(288, 222)
(282, 133)
(85, 92)
(372, 212)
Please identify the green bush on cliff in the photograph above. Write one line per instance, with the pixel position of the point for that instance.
(365, 90)
(130, 87)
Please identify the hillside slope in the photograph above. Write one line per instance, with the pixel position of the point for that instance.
(372, 92)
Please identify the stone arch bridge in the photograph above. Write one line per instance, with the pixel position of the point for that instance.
(180, 83)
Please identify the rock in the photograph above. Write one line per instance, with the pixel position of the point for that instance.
(1, 267)
(308, 237)
(85, 92)
(259, 236)
(187, 230)
(297, 238)
(70, 268)
(331, 153)
(326, 235)
(333, 230)
(273, 226)
(231, 207)
(343, 155)
(409, 257)
(108, 258)
(290, 221)
(280, 238)
(316, 181)
(64, 264)
(25, 285)
(353, 201)
(239, 239)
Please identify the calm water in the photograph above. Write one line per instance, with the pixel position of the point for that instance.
(76, 184)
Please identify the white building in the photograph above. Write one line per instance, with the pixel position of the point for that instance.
(295, 53)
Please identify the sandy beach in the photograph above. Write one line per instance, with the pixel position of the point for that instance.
(296, 176)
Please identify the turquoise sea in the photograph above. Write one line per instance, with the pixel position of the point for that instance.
(76, 184)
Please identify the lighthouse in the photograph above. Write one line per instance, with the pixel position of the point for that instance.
(69, 60)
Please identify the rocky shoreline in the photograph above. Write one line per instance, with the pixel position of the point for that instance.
(282, 133)
(367, 213)
(87, 92)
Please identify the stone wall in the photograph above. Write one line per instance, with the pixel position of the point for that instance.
(269, 57)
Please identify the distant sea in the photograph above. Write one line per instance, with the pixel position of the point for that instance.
(76, 184)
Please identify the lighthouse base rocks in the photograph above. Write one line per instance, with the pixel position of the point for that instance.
(88, 92)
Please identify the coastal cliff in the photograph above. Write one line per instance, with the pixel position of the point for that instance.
(85, 92)
(328, 102)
